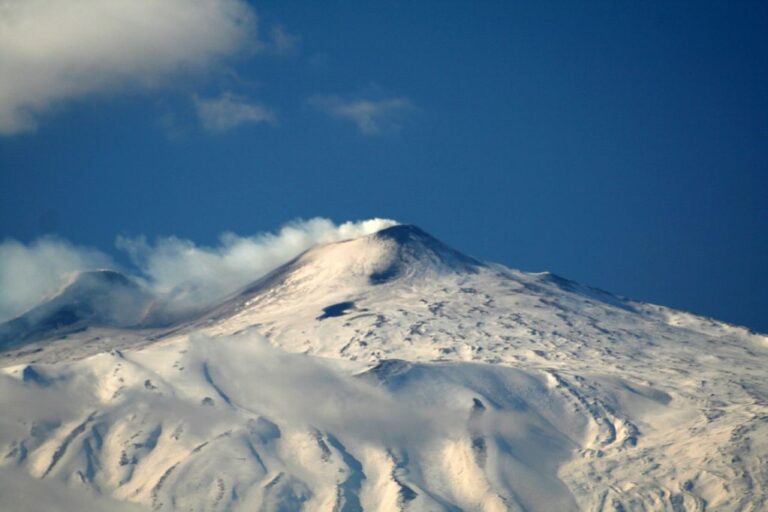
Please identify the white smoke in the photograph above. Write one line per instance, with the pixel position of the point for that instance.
(176, 269)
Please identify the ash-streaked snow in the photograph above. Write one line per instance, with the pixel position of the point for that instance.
(390, 372)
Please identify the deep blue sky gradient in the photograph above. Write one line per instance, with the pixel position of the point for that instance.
(620, 144)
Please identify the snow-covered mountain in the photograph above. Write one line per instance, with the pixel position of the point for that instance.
(386, 372)
(95, 298)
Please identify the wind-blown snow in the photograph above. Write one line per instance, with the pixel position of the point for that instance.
(390, 372)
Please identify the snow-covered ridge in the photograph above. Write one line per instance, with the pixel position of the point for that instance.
(390, 372)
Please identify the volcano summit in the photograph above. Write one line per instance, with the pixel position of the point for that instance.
(383, 372)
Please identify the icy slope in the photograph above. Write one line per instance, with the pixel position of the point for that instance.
(391, 372)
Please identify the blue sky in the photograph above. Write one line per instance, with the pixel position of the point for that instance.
(620, 144)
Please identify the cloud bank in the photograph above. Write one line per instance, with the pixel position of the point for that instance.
(178, 270)
(57, 50)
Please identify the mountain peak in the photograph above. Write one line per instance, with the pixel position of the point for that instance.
(396, 253)
(98, 278)
(414, 251)
(90, 298)
(403, 233)
(393, 253)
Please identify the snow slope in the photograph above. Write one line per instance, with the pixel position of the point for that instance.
(390, 372)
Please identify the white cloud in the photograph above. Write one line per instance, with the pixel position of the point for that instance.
(57, 50)
(228, 111)
(28, 273)
(372, 116)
